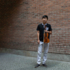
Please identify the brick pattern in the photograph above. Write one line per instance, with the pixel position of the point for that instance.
(19, 19)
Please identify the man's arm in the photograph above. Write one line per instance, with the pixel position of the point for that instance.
(38, 37)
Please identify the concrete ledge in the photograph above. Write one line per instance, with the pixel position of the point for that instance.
(51, 56)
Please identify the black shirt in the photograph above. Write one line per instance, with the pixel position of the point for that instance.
(40, 28)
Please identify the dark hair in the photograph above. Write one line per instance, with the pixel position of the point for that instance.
(45, 16)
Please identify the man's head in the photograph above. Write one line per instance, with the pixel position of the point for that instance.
(44, 19)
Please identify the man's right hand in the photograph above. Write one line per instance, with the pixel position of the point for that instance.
(38, 41)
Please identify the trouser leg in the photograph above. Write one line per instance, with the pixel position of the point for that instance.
(46, 48)
(39, 53)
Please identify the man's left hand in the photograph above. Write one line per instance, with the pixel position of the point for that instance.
(46, 31)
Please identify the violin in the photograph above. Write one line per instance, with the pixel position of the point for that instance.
(46, 39)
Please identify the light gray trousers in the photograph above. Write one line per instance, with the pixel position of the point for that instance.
(46, 48)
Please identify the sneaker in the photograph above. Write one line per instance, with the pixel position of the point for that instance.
(37, 65)
(44, 65)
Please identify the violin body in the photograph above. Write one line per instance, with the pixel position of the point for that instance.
(46, 39)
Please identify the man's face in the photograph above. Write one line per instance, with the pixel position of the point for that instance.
(44, 20)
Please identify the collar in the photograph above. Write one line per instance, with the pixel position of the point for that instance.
(43, 24)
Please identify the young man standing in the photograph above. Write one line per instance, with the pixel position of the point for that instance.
(40, 36)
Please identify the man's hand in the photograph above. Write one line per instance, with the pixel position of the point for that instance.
(48, 31)
(38, 41)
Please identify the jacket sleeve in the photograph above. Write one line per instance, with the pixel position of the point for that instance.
(38, 28)
(50, 28)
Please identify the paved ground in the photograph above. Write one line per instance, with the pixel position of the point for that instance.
(19, 62)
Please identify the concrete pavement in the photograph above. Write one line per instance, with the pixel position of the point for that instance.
(19, 62)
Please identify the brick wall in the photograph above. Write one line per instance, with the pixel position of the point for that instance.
(19, 19)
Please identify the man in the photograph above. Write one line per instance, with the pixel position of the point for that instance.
(40, 36)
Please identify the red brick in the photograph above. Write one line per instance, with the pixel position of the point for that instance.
(19, 19)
